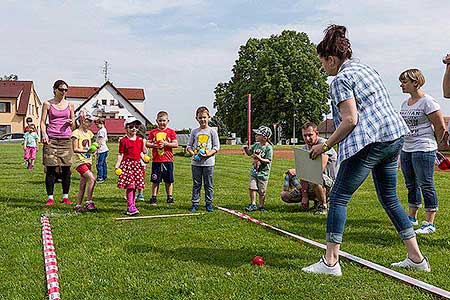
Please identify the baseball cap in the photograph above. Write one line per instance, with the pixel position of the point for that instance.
(130, 120)
(264, 131)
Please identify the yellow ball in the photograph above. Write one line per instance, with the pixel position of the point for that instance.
(146, 158)
(118, 171)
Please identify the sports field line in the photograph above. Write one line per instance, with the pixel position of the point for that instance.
(405, 278)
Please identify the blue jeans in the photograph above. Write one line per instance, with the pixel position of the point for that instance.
(381, 159)
(418, 171)
(207, 175)
(102, 168)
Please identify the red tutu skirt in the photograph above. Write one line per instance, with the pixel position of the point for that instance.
(132, 175)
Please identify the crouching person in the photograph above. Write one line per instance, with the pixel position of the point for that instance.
(300, 191)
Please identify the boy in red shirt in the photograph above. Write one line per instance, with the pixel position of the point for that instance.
(162, 140)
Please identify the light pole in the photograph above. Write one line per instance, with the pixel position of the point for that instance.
(293, 131)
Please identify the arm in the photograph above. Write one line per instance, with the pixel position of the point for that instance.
(119, 161)
(349, 115)
(246, 150)
(44, 113)
(446, 81)
(190, 144)
(75, 147)
(324, 161)
(437, 120)
(72, 117)
(215, 144)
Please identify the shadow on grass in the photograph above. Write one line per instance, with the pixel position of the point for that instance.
(217, 256)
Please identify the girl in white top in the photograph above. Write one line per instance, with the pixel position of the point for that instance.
(426, 124)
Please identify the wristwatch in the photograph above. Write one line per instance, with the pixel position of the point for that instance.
(325, 147)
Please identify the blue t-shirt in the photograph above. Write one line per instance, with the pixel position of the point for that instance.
(30, 139)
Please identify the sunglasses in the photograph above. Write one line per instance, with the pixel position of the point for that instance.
(63, 90)
(134, 126)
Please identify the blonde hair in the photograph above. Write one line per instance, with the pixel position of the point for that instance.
(413, 75)
(162, 113)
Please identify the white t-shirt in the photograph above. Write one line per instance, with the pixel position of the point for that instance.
(421, 135)
(103, 134)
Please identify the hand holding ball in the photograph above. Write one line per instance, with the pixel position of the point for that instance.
(118, 171)
(146, 159)
(93, 147)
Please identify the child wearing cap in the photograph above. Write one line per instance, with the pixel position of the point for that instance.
(131, 175)
(262, 153)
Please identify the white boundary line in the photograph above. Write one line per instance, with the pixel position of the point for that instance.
(407, 279)
(157, 216)
(51, 265)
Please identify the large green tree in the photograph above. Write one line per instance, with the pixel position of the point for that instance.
(283, 75)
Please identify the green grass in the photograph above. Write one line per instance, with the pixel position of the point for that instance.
(189, 257)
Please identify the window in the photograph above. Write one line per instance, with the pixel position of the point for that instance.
(5, 129)
(111, 102)
(104, 101)
(5, 107)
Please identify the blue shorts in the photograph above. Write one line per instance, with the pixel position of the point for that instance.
(162, 171)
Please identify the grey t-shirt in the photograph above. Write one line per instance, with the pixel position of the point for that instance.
(421, 136)
(206, 139)
(103, 134)
(330, 170)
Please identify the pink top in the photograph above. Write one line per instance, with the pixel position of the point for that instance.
(58, 127)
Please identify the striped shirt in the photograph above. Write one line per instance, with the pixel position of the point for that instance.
(378, 121)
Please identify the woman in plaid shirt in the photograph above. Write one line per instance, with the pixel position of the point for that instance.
(370, 136)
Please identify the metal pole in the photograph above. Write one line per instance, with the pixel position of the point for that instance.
(293, 132)
(249, 120)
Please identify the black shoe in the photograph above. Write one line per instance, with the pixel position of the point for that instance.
(153, 201)
(170, 200)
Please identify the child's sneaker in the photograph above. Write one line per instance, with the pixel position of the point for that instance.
(251, 207)
(426, 228)
(153, 200)
(209, 207)
(424, 265)
(413, 221)
(66, 201)
(322, 267)
(262, 209)
(132, 210)
(170, 200)
(193, 208)
(49, 202)
(140, 197)
(79, 209)
(321, 210)
(90, 206)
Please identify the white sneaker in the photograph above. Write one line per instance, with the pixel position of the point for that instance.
(321, 267)
(413, 221)
(426, 228)
(424, 265)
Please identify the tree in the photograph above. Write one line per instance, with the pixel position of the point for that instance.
(216, 121)
(10, 77)
(283, 75)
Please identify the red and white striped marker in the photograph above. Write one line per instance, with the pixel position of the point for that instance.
(412, 281)
(51, 265)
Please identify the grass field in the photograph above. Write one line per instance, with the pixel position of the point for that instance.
(190, 257)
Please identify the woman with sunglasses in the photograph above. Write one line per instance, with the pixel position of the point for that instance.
(56, 137)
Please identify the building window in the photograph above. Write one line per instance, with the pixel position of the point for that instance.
(5, 107)
(5, 129)
(111, 102)
(104, 101)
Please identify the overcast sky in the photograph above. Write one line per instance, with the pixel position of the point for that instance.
(179, 50)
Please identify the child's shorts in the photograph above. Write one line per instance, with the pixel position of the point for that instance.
(84, 168)
(30, 153)
(162, 171)
(258, 185)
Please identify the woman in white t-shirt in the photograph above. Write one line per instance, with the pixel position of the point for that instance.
(426, 124)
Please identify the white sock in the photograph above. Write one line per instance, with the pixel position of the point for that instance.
(65, 196)
(50, 197)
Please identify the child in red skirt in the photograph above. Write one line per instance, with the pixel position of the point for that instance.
(131, 148)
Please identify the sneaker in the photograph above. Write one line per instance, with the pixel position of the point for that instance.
(79, 209)
(132, 210)
(424, 265)
(170, 200)
(49, 202)
(66, 201)
(209, 207)
(262, 209)
(140, 197)
(251, 207)
(153, 201)
(413, 221)
(90, 206)
(426, 228)
(100, 180)
(193, 208)
(321, 267)
(321, 210)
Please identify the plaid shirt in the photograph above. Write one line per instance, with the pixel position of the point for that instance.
(377, 119)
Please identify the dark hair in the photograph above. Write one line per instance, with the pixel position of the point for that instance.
(201, 110)
(29, 119)
(335, 43)
(58, 83)
(309, 124)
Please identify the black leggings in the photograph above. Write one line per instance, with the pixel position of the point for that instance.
(50, 178)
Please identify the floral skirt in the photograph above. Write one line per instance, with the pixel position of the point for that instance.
(132, 175)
